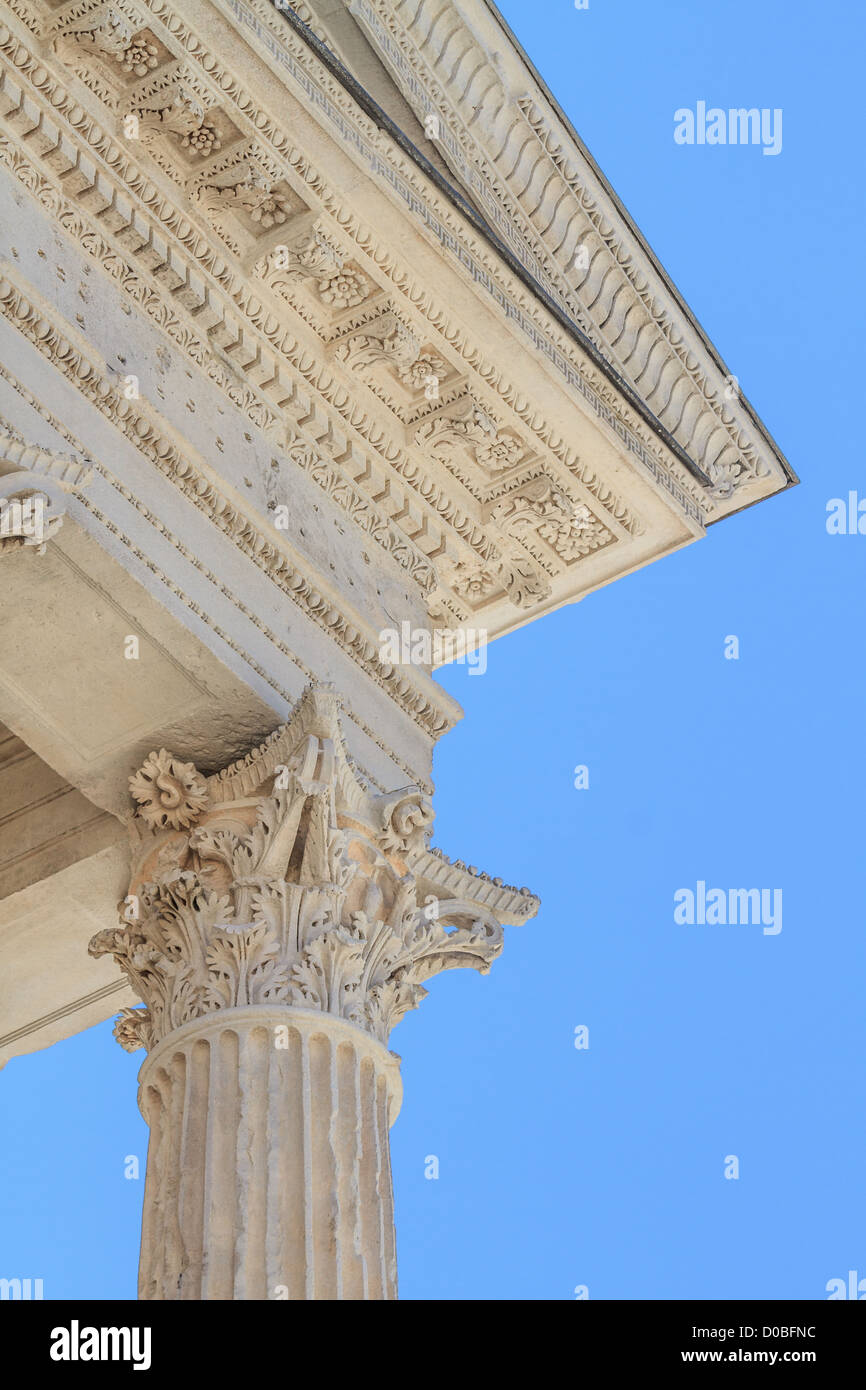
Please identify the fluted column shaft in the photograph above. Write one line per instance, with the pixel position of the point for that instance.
(268, 1168)
(282, 917)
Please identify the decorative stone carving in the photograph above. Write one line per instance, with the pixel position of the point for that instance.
(33, 484)
(524, 167)
(523, 583)
(302, 894)
(252, 193)
(474, 582)
(171, 104)
(287, 891)
(516, 576)
(202, 139)
(31, 511)
(499, 452)
(345, 289)
(164, 455)
(726, 478)
(385, 339)
(464, 422)
(542, 507)
(265, 207)
(139, 57)
(423, 372)
(108, 45)
(306, 252)
(575, 535)
(405, 818)
(170, 794)
(468, 425)
(103, 30)
(127, 1029)
(267, 342)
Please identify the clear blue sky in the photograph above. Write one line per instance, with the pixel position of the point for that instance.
(604, 1167)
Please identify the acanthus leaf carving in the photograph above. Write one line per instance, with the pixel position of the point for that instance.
(132, 1029)
(247, 190)
(541, 506)
(385, 339)
(244, 967)
(525, 585)
(467, 425)
(465, 422)
(170, 103)
(105, 31)
(302, 893)
(306, 252)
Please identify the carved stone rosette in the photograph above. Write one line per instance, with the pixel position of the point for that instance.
(275, 933)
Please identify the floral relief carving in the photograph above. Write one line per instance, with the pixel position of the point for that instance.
(474, 581)
(423, 372)
(386, 339)
(345, 289)
(307, 252)
(170, 103)
(469, 426)
(170, 794)
(303, 893)
(139, 57)
(515, 577)
(541, 506)
(102, 30)
(203, 139)
(499, 452)
(251, 193)
(178, 95)
(523, 583)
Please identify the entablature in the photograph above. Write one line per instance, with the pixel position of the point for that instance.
(293, 252)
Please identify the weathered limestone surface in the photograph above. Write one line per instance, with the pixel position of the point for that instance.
(278, 925)
(268, 1171)
(317, 323)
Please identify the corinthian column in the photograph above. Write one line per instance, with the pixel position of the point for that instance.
(281, 919)
(268, 1171)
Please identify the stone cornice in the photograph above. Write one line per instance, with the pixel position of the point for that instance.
(726, 474)
(493, 119)
(33, 482)
(330, 611)
(68, 472)
(145, 559)
(148, 237)
(494, 522)
(38, 1024)
(419, 187)
(96, 466)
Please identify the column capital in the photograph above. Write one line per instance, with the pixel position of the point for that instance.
(286, 880)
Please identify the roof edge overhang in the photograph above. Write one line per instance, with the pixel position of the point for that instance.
(371, 108)
(635, 231)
